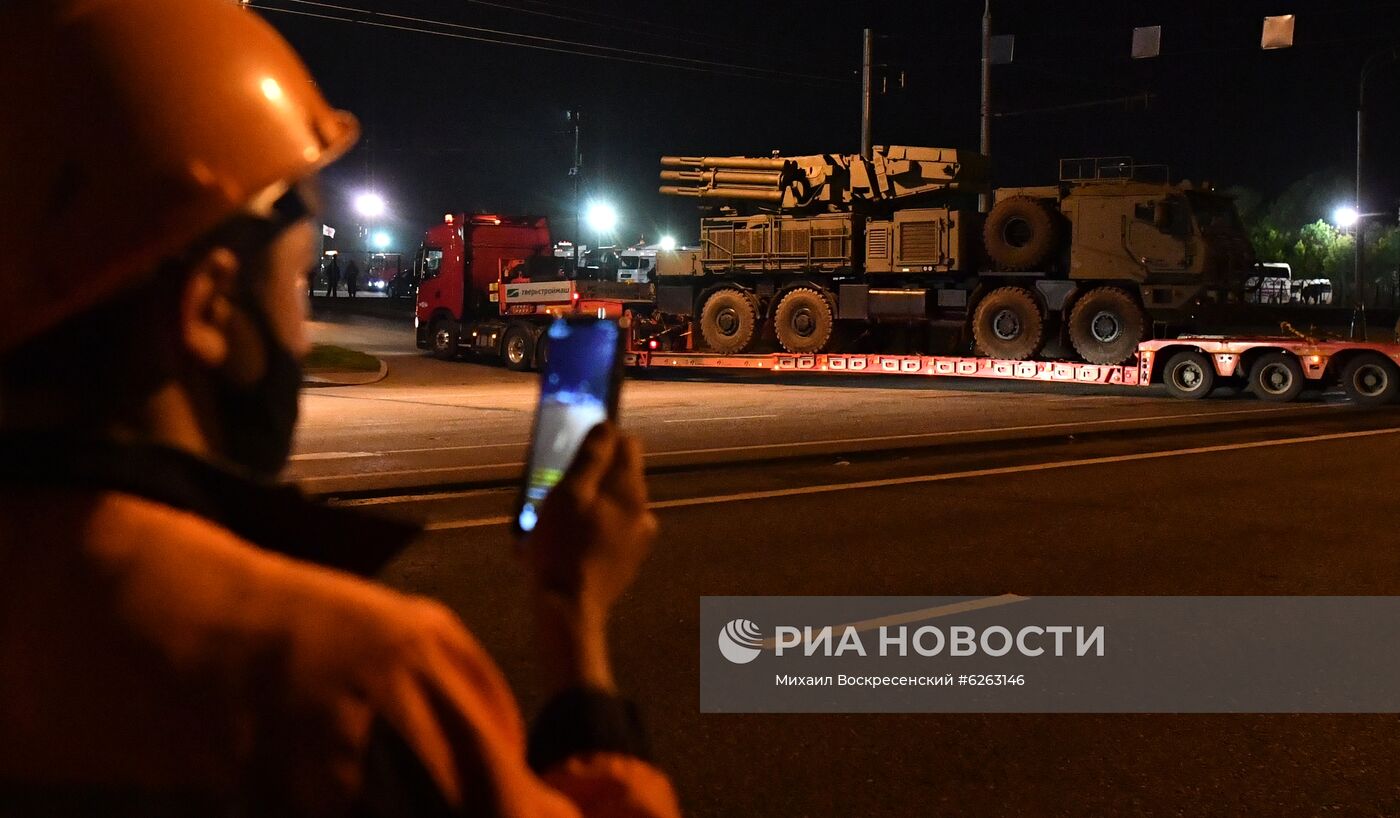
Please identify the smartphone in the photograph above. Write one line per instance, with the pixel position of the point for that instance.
(579, 384)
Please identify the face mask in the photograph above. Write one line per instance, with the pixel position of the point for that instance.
(258, 418)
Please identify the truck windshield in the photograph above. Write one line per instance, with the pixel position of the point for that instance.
(1214, 211)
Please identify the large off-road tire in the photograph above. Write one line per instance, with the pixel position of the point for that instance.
(1106, 325)
(1276, 377)
(1008, 324)
(1371, 379)
(518, 348)
(444, 339)
(804, 321)
(1189, 375)
(729, 322)
(1021, 233)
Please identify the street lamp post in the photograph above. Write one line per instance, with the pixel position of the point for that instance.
(1358, 321)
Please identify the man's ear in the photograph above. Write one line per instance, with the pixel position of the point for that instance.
(205, 309)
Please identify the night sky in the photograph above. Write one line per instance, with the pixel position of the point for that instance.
(453, 124)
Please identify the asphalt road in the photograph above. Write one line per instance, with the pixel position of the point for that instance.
(967, 491)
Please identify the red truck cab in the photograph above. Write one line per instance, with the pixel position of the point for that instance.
(491, 284)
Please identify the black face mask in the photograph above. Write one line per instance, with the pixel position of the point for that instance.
(258, 419)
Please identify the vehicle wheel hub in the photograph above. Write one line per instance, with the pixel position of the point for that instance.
(1276, 378)
(727, 321)
(1006, 325)
(1106, 327)
(1188, 376)
(515, 350)
(802, 322)
(1371, 380)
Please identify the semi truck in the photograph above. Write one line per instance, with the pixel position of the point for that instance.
(489, 284)
(812, 251)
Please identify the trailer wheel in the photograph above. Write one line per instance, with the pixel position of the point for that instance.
(1106, 325)
(446, 339)
(729, 322)
(1371, 379)
(1021, 233)
(518, 348)
(804, 321)
(1276, 377)
(1008, 324)
(1189, 375)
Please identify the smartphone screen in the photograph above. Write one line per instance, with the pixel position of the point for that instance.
(578, 390)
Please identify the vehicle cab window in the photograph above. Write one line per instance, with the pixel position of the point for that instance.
(432, 262)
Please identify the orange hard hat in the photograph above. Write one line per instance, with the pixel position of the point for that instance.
(131, 128)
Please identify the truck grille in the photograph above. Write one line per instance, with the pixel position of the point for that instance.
(920, 242)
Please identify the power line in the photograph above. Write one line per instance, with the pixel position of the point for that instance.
(634, 26)
(541, 43)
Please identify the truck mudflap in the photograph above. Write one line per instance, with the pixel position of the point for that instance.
(1132, 374)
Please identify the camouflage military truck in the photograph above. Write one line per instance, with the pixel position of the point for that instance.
(1106, 257)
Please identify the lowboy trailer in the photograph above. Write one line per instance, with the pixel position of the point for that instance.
(1274, 369)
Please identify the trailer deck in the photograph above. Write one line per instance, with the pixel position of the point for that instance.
(1281, 366)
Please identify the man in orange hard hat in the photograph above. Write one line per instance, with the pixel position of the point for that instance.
(178, 635)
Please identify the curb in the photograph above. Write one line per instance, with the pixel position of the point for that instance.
(337, 378)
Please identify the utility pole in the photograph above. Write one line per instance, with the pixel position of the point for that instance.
(1358, 321)
(576, 173)
(985, 145)
(866, 91)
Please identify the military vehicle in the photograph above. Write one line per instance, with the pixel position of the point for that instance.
(810, 245)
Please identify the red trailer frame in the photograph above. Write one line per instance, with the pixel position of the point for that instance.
(1317, 361)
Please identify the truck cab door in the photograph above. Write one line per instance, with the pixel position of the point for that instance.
(1159, 235)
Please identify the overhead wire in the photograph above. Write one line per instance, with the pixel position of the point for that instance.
(539, 42)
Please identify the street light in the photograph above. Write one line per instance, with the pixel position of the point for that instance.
(382, 240)
(1345, 217)
(668, 243)
(601, 217)
(370, 205)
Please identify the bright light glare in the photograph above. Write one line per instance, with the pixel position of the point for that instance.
(668, 243)
(1345, 217)
(370, 205)
(382, 240)
(602, 217)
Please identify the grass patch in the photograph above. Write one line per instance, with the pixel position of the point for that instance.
(326, 357)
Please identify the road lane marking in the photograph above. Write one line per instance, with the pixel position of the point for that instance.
(704, 420)
(992, 430)
(921, 615)
(332, 455)
(840, 440)
(829, 488)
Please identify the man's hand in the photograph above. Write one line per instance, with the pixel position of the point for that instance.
(593, 533)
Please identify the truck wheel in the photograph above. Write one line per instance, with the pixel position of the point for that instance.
(1371, 379)
(445, 339)
(1276, 377)
(1021, 233)
(1189, 375)
(728, 322)
(1106, 325)
(518, 348)
(803, 321)
(1008, 324)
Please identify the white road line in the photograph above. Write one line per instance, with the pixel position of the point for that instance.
(840, 440)
(920, 615)
(705, 420)
(332, 455)
(960, 475)
(992, 430)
